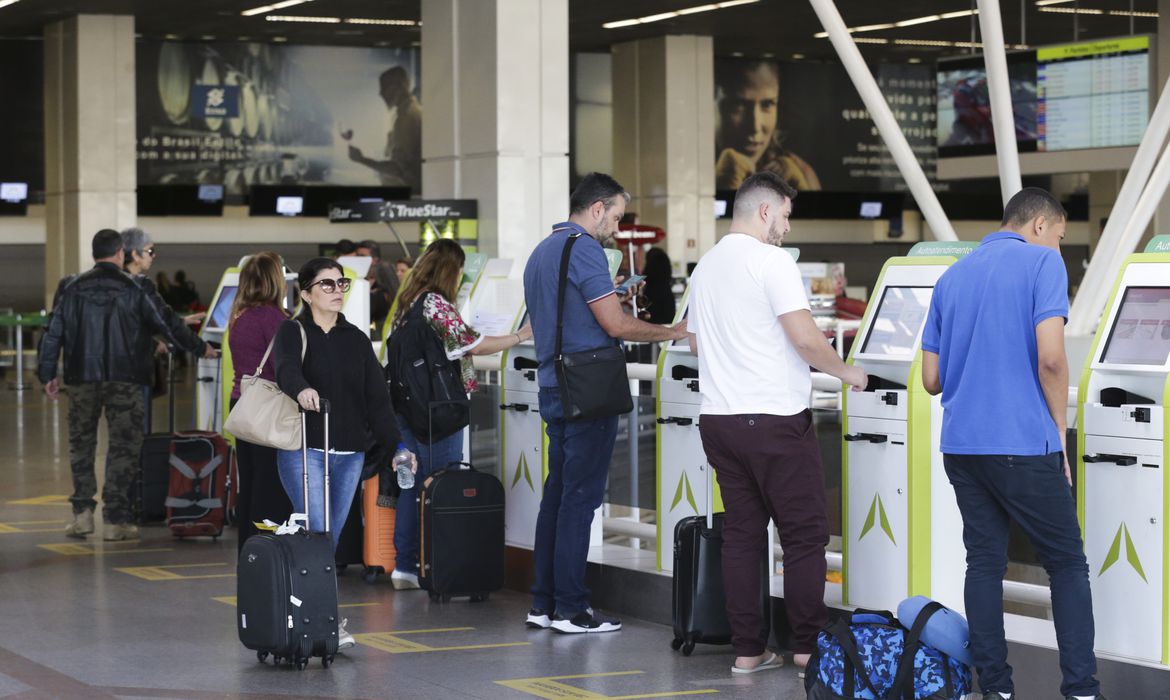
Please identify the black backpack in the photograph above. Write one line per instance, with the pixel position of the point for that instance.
(426, 388)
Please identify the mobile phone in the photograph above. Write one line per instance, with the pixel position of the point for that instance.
(633, 281)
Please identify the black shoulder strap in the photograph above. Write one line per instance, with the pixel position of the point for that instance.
(903, 686)
(564, 282)
(841, 631)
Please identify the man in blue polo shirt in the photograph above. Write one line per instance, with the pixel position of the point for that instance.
(993, 345)
(578, 451)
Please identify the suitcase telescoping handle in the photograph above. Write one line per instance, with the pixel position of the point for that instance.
(710, 496)
(305, 458)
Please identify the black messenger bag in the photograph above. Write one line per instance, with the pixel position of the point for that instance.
(593, 382)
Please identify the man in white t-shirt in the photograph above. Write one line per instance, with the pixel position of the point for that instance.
(751, 327)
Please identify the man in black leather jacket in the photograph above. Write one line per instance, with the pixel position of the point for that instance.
(103, 324)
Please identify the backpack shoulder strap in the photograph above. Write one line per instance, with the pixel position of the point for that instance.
(903, 686)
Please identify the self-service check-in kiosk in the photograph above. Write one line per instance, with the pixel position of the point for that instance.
(1123, 492)
(902, 532)
(523, 442)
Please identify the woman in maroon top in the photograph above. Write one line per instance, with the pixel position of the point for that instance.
(256, 314)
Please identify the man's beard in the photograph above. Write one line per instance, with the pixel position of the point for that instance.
(774, 237)
(601, 234)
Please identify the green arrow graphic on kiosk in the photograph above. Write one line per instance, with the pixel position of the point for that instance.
(684, 483)
(1131, 555)
(522, 468)
(877, 513)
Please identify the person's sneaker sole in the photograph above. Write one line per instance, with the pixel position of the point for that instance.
(567, 627)
(70, 532)
(404, 584)
(538, 622)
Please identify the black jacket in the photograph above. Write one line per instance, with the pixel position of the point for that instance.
(184, 337)
(104, 322)
(342, 367)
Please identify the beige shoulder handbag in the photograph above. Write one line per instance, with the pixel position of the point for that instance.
(265, 415)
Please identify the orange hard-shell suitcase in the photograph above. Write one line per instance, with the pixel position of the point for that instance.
(378, 532)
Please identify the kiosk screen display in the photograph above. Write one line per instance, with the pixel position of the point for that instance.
(899, 317)
(218, 319)
(1141, 330)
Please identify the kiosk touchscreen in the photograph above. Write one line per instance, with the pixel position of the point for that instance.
(902, 532)
(209, 408)
(1122, 490)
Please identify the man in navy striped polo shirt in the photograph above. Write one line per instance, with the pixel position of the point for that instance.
(993, 345)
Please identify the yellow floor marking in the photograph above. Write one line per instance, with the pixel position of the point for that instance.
(550, 689)
(22, 526)
(231, 600)
(89, 550)
(165, 573)
(51, 500)
(393, 643)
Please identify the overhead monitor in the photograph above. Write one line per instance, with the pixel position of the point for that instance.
(1141, 329)
(870, 210)
(211, 193)
(290, 206)
(217, 320)
(720, 208)
(14, 192)
(898, 321)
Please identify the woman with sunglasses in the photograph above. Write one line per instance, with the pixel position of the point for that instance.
(339, 366)
(433, 283)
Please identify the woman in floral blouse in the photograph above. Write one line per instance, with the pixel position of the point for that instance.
(434, 282)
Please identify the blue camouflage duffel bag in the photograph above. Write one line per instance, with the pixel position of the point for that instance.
(871, 656)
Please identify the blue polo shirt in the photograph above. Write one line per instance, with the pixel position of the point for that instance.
(982, 325)
(589, 281)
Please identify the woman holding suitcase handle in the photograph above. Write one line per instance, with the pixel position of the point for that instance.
(339, 366)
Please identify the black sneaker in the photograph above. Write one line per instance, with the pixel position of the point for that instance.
(585, 622)
(538, 619)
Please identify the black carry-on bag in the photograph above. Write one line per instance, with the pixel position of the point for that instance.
(148, 490)
(286, 585)
(699, 605)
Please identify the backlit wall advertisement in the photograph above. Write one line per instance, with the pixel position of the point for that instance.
(244, 114)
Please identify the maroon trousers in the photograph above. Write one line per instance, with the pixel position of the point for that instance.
(769, 467)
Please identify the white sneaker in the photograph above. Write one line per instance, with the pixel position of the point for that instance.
(82, 524)
(403, 581)
(345, 640)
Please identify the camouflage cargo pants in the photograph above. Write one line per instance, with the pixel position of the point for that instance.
(124, 407)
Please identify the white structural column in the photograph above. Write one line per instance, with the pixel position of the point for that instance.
(664, 138)
(90, 155)
(883, 118)
(495, 95)
(998, 82)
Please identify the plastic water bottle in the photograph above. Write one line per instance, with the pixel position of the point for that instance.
(401, 464)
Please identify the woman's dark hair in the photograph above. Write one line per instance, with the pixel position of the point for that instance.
(437, 270)
(309, 272)
(657, 267)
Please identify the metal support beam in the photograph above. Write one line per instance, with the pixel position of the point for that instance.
(883, 118)
(1111, 248)
(999, 88)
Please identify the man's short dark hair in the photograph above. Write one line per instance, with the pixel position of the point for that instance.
(1029, 203)
(596, 187)
(373, 247)
(106, 244)
(747, 196)
(345, 247)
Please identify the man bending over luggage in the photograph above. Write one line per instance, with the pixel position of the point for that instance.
(755, 337)
(104, 323)
(579, 451)
(993, 346)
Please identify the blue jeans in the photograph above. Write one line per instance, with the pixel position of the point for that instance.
(992, 491)
(431, 458)
(579, 453)
(344, 473)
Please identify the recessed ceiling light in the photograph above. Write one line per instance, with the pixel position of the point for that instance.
(382, 22)
(172, 37)
(1045, 3)
(208, 37)
(737, 54)
(797, 56)
(617, 24)
(903, 23)
(274, 6)
(915, 60)
(308, 19)
(1072, 11)
(768, 54)
(243, 38)
(280, 39)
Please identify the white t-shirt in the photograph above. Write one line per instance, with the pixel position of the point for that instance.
(746, 363)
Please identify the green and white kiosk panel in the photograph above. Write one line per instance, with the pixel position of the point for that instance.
(1123, 492)
(901, 524)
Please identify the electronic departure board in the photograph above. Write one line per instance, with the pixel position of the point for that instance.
(1093, 95)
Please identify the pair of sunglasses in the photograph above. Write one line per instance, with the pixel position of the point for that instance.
(330, 286)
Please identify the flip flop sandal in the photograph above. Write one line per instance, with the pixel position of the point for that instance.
(775, 661)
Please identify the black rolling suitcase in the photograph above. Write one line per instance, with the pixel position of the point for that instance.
(461, 516)
(699, 605)
(148, 490)
(286, 588)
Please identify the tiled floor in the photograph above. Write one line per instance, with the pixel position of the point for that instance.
(154, 619)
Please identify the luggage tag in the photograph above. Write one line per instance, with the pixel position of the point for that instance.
(296, 522)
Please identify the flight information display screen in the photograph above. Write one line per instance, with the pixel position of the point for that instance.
(1093, 95)
(1141, 330)
(898, 321)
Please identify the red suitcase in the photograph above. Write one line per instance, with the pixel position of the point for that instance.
(197, 496)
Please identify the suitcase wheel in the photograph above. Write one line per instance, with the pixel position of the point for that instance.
(262, 656)
(480, 597)
(688, 647)
(326, 661)
(676, 643)
(302, 664)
